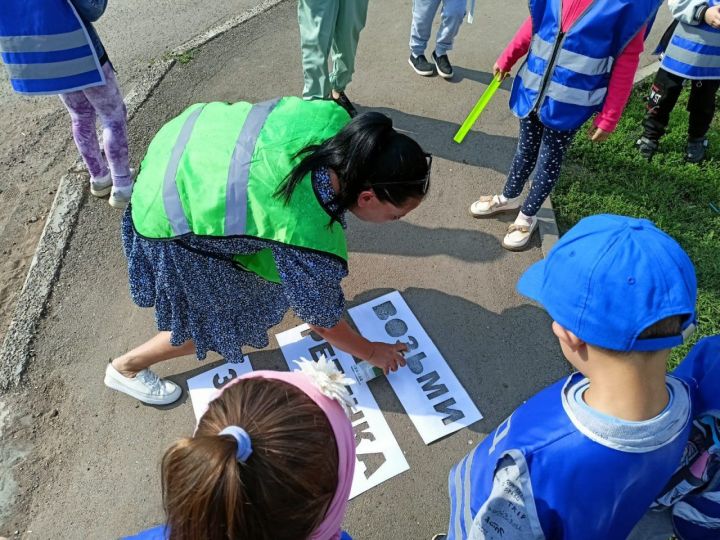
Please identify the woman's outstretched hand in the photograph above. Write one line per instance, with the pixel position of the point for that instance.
(387, 356)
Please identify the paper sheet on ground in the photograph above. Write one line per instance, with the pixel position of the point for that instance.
(432, 396)
(379, 456)
(203, 387)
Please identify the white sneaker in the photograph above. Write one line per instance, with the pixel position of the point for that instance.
(120, 197)
(489, 205)
(100, 187)
(145, 386)
(519, 234)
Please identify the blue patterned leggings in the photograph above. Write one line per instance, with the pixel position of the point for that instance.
(551, 145)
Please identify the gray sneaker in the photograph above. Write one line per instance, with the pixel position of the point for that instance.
(145, 386)
(101, 186)
(695, 150)
(647, 147)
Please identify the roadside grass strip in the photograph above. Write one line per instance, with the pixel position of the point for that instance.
(682, 199)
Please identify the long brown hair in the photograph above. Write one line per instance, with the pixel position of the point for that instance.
(280, 493)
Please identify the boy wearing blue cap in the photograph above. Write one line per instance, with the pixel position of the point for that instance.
(585, 457)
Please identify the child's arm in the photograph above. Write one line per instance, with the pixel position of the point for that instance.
(688, 11)
(517, 48)
(90, 10)
(621, 83)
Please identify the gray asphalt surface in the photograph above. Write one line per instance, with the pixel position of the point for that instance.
(86, 459)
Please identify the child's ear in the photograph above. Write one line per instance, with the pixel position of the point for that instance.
(365, 198)
(573, 342)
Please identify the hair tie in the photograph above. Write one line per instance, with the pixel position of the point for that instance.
(244, 445)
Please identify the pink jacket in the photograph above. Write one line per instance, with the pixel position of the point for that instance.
(621, 78)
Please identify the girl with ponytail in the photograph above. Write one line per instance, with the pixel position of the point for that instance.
(238, 215)
(272, 458)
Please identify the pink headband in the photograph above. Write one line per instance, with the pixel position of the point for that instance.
(330, 527)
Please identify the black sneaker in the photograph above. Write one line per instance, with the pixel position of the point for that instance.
(695, 150)
(647, 147)
(345, 103)
(443, 65)
(421, 65)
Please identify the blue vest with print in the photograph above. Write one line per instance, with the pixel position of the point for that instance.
(694, 51)
(565, 76)
(46, 48)
(582, 489)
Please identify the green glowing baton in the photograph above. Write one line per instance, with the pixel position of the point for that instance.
(477, 109)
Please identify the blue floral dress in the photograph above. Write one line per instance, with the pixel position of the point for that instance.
(199, 294)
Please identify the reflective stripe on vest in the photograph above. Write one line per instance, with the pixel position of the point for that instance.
(693, 52)
(46, 49)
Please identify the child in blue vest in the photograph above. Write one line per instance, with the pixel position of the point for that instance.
(581, 59)
(51, 47)
(691, 52)
(584, 458)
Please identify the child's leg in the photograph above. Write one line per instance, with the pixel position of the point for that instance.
(531, 132)
(453, 13)
(317, 19)
(701, 107)
(664, 94)
(351, 19)
(108, 103)
(82, 115)
(422, 18)
(552, 153)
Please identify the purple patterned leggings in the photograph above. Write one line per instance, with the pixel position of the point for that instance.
(106, 102)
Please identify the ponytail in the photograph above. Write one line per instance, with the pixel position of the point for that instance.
(282, 490)
(366, 152)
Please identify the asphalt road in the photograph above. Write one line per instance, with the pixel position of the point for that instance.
(84, 461)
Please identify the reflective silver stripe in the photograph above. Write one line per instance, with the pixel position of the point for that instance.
(694, 59)
(47, 43)
(586, 65)
(541, 48)
(697, 34)
(52, 70)
(468, 490)
(171, 196)
(239, 170)
(531, 81)
(459, 498)
(575, 96)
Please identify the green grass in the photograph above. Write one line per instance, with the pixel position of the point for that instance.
(613, 178)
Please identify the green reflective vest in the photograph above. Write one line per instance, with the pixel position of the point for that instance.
(214, 170)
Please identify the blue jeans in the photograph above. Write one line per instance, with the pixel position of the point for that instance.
(453, 12)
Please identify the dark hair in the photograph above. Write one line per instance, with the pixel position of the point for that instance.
(283, 489)
(667, 327)
(365, 153)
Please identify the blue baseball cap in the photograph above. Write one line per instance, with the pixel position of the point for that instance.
(611, 277)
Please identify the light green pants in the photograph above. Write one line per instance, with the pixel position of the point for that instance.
(329, 26)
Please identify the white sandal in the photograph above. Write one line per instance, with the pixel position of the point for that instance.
(490, 205)
(518, 235)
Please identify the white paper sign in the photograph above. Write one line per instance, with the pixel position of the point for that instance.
(379, 456)
(202, 387)
(432, 396)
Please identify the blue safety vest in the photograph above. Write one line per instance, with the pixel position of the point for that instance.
(582, 489)
(565, 75)
(694, 51)
(46, 48)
